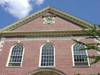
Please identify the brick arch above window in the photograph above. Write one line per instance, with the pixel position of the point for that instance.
(51, 71)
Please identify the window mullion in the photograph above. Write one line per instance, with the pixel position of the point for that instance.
(78, 54)
(48, 53)
(16, 56)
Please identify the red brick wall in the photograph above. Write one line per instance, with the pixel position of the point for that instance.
(63, 51)
(63, 58)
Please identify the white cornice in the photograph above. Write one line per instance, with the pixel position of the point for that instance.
(41, 32)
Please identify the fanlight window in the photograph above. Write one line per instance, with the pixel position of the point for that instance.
(49, 20)
(47, 55)
(16, 55)
(79, 54)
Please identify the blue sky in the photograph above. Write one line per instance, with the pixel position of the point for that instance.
(13, 10)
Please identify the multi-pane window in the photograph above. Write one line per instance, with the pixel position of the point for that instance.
(79, 54)
(47, 55)
(16, 55)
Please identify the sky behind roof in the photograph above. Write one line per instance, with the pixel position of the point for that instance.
(14, 10)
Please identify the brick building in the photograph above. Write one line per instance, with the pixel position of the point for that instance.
(41, 44)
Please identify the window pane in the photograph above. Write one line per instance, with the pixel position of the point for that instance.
(16, 55)
(79, 54)
(47, 55)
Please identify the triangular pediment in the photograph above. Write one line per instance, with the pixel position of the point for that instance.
(39, 13)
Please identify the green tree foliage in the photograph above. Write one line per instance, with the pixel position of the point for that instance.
(94, 33)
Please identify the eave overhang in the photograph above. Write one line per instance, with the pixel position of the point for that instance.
(42, 32)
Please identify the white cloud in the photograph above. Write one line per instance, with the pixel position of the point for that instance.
(39, 2)
(19, 8)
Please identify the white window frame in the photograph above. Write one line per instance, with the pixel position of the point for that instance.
(73, 56)
(41, 55)
(7, 64)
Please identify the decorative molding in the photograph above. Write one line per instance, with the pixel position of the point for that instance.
(1, 45)
(42, 32)
(44, 38)
(42, 12)
(78, 39)
(1, 42)
(19, 41)
(0, 49)
(98, 46)
(49, 36)
(96, 40)
(48, 40)
(3, 38)
(98, 51)
(46, 69)
(48, 20)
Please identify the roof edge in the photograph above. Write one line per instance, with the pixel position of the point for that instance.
(63, 14)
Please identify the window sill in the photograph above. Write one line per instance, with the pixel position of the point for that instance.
(46, 67)
(81, 66)
(13, 67)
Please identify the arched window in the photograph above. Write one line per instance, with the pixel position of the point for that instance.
(47, 55)
(79, 54)
(16, 54)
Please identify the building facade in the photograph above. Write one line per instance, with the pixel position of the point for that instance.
(41, 44)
